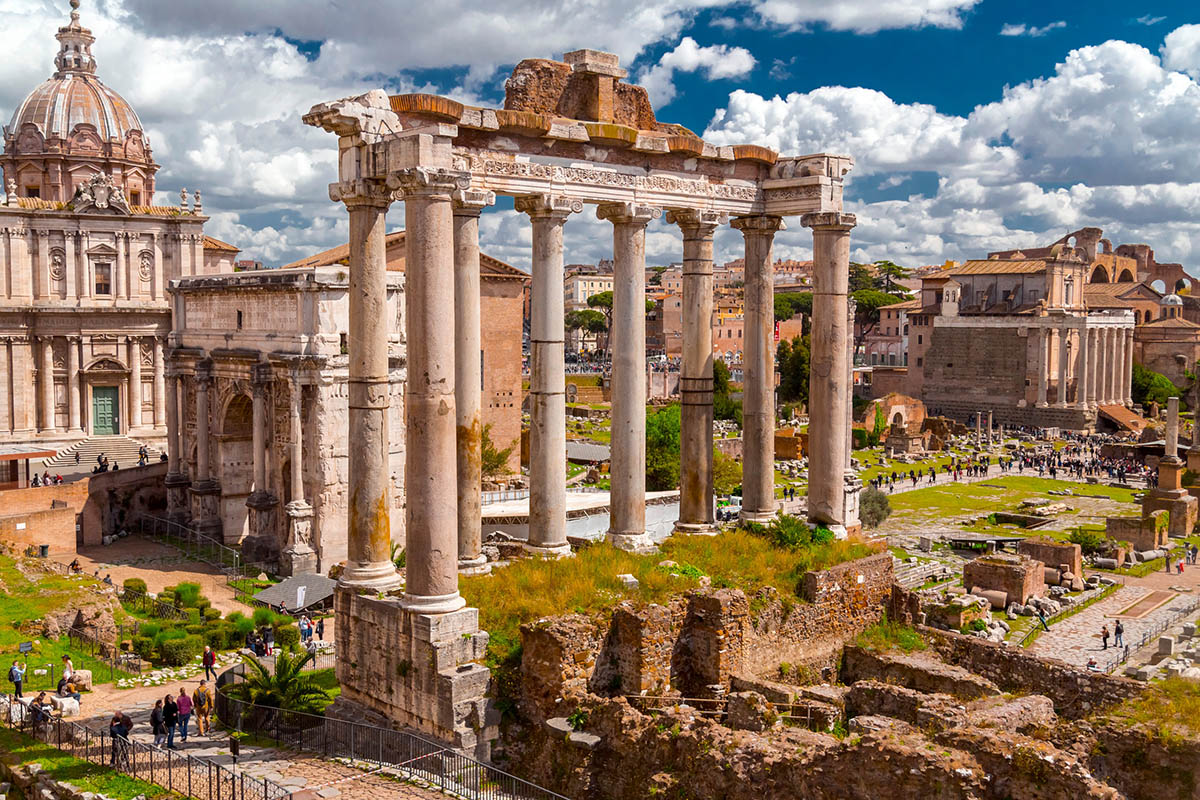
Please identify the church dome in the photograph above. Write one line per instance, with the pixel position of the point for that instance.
(1171, 300)
(73, 126)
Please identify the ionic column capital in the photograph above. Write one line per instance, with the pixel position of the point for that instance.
(469, 202)
(548, 206)
(828, 221)
(759, 225)
(361, 192)
(627, 213)
(425, 181)
(695, 223)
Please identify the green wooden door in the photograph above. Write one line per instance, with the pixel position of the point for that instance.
(104, 411)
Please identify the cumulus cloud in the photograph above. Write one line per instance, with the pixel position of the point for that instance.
(1181, 50)
(1021, 29)
(864, 16)
(716, 61)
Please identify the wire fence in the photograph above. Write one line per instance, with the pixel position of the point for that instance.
(175, 772)
(143, 603)
(106, 653)
(405, 754)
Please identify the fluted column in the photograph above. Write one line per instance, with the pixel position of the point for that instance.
(1083, 368)
(432, 512)
(1104, 395)
(135, 382)
(173, 437)
(159, 384)
(1043, 365)
(118, 267)
(258, 398)
(831, 343)
(696, 514)
(1127, 366)
(47, 385)
(1094, 358)
(627, 503)
(74, 386)
(547, 381)
(1062, 333)
(369, 536)
(468, 378)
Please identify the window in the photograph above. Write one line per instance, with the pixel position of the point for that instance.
(239, 320)
(135, 198)
(33, 191)
(920, 362)
(104, 279)
(918, 338)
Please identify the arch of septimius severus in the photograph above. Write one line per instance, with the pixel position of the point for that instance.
(571, 134)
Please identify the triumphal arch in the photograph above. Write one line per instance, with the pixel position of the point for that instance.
(571, 134)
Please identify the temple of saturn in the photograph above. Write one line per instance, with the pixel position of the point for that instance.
(570, 134)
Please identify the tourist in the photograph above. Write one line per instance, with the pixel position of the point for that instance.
(1041, 615)
(1092, 665)
(170, 720)
(16, 676)
(1168, 565)
(75, 568)
(1118, 634)
(184, 706)
(67, 689)
(76, 456)
(120, 739)
(108, 579)
(1179, 566)
(321, 629)
(269, 640)
(202, 703)
(40, 709)
(157, 727)
(68, 667)
(36, 481)
(303, 623)
(1104, 636)
(209, 660)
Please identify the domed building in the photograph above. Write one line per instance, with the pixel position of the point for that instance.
(85, 259)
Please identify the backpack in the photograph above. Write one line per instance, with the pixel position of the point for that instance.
(13, 674)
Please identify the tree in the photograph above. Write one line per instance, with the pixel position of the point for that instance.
(793, 360)
(887, 273)
(662, 448)
(288, 688)
(861, 277)
(724, 406)
(727, 473)
(603, 302)
(586, 319)
(873, 507)
(1149, 387)
(866, 312)
(493, 462)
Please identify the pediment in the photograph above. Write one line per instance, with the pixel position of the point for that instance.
(102, 250)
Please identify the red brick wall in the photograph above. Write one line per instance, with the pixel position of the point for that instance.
(55, 527)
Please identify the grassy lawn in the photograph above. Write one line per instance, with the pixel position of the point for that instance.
(18, 748)
(1171, 707)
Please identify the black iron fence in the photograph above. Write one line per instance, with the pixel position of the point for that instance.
(108, 654)
(176, 772)
(404, 754)
(151, 607)
(1148, 634)
(195, 545)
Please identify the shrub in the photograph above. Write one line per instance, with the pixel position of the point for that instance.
(242, 624)
(287, 637)
(194, 630)
(203, 604)
(874, 507)
(143, 646)
(187, 594)
(149, 629)
(134, 585)
(193, 616)
(211, 615)
(178, 652)
(263, 617)
(1089, 541)
(217, 636)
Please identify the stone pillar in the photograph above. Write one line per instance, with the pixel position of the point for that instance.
(1104, 395)
(1127, 370)
(696, 514)
(1061, 333)
(135, 382)
(991, 426)
(24, 400)
(262, 544)
(74, 386)
(258, 394)
(69, 267)
(851, 485)
(1043, 366)
(1171, 448)
(203, 381)
(831, 342)
(1094, 359)
(159, 384)
(120, 263)
(176, 481)
(758, 363)
(206, 492)
(432, 512)
(978, 428)
(298, 558)
(1082, 368)
(627, 503)
(547, 384)
(46, 374)
(468, 379)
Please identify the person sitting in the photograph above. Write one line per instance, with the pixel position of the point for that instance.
(67, 689)
(40, 709)
(75, 568)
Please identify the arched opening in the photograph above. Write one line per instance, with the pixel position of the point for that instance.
(1183, 286)
(234, 466)
(1146, 318)
(1159, 286)
(1125, 277)
(1099, 275)
(897, 420)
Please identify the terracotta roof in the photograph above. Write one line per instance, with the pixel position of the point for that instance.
(340, 255)
(904, 305)
(211, 243)
(40, 204)
(997, 266)
(1112, 292)
(1171, 322)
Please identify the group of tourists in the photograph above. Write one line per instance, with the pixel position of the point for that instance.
(46, 479)
(102, 464)
(173, 715)
(308, 628)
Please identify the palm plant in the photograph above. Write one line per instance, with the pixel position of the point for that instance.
(288, 688)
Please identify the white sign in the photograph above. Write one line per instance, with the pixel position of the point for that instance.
(20, 526)
(300, 590)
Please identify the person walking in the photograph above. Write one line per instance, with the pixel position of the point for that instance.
(321, 629)
(202, 703)
(1104, 636)
(209, 660)
(157, 727)
(170, 720)
(1041, 615)
(120, 741)
(16, 676)
(1118, 634)
(184, 703)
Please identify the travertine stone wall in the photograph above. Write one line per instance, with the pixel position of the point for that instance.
(1053, 554)
(1019, 577)
(1142, 533)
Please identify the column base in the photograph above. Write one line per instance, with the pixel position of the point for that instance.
(760, 517)
(436, 604)
(697, 528)
(549, 551)
(474, 566)
(299, 559)
(639, 543)
(1040, 404)
(380, 576)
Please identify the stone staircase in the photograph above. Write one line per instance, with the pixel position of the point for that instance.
(120, 450)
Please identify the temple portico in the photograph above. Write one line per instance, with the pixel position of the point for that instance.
(444, 161)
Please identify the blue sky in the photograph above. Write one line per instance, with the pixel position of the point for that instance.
(975, 124)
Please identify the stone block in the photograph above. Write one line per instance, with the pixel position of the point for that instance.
(1166, 645)
(1189, 629)
(1018, 576)
(749, 711)
(82, 678)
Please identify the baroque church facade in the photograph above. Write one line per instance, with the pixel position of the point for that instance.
(85, 259)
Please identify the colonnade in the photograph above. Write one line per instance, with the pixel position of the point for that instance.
(1096, 359)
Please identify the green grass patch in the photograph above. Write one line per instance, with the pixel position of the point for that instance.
(1170, 708)
(21, 749)
(886, 636)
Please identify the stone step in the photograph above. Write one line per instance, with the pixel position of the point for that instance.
(119, 449)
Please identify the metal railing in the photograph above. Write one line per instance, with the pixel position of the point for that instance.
(1036, 630)
(194, 544)
(150, 606)
(1149, 634)
(404, 754)
(176, 772)
(108, 654)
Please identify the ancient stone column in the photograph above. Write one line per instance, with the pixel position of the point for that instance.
(74, 385)
(1061, 333)
(258, 396)
(758, 364)
(1094, 359)
(432, 512)
(173, 453)
(1043, 365)
(547, 381)
(47, 378)
(203, 381)
(468, 377)
(978, 428)
(696, 513)
(991, 426)
(369, 537)
(297, 436)
(1127, 369)
(298, 558)
(135, 382)
(1171, 450)
(1082, 368)
(831, 341)
(851, 485)
(1104, 394)
(160, 401)
(627, 503)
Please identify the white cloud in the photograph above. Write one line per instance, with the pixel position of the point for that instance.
(1146, 19)
(1181, 50)
(864, 16)
(1021, 29)
(716, 61)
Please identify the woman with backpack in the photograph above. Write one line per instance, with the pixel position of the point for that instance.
(157, 726)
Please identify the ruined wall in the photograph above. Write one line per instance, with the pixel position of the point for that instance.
(53, 527)
(1018, 577)
(1053, 553)
(984, 365)
(1141, 764)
